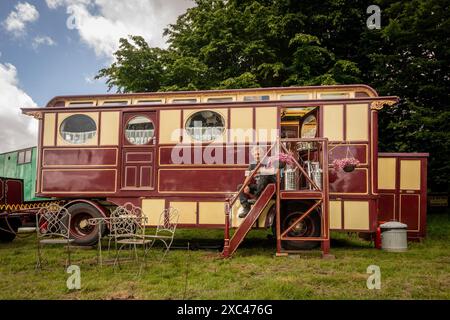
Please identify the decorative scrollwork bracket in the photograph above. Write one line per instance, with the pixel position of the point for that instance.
(379, 104)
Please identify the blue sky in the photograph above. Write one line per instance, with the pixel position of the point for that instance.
(56, 47)
(49, 70)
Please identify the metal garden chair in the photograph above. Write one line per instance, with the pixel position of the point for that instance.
(53, 227)
(165, 230)
(127, 227)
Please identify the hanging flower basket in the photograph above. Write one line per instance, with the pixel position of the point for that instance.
(280, 160)
(345, 164)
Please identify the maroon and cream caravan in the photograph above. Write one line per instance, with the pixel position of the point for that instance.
(190, 150)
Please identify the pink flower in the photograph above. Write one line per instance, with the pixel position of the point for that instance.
(341, 163)
(285, 158)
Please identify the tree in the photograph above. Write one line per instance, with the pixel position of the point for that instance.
(261, 43)
(229, 44)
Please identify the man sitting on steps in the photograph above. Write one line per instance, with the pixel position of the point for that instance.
(263, 177)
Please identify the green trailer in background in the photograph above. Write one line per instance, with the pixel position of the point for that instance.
(21, 164)
(18, 203)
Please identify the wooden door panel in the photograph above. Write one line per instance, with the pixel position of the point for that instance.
(13, 191)
(146, 177)
(386, 207)
(138, 163)
(410, 211)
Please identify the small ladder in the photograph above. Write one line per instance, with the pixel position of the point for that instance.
(249, 220)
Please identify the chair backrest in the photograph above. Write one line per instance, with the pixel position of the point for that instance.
(126, 221)
(53, 221)
(168, 221)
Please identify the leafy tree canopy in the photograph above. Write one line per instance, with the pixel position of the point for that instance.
(222, 44)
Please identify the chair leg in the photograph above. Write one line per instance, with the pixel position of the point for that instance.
(117, 260)
(39, 258)
(167, 249)
(68, 255)
(135, 252)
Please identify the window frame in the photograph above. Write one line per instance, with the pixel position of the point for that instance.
(24, 160)
(60, 132)
(193, 138)
(153, 137)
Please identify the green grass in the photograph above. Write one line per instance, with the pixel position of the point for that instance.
(253, 273)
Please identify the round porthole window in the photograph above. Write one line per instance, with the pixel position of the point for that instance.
(205, 125)
(139, 130)
(78, 129)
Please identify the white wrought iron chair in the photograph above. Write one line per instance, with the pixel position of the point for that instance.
(127, 227)
(115, 227)
(165, 230)
(53, 227)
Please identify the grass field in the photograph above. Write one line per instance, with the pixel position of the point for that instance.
(253, 273)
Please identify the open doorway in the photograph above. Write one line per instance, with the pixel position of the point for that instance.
(299, 122)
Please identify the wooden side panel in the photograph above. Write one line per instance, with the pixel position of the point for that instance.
(266, 123)
(211, 212)
(333, 122)
(355, 182)
(109, 128)
(75, 181)
(386, 173)
(356, 215)
(409, 209)
(241, 125)
(357, 122)
(152, 209)
(187, 211)
(14, 191)
(169, 126)
(386, 207)
(199, 180)
(49, 129)
(335, 215)
(410, 174)
(79, 157)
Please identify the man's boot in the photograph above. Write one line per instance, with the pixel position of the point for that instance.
(245, 211)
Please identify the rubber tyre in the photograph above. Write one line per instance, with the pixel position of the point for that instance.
(310, 228)
(5, 236)
(82, 233)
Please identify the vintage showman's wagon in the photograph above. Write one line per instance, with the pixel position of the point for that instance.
(190, 150)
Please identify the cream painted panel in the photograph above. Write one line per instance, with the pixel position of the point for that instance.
(335, 215)
(356, 215)
(357, 122)
(187, 211)
(266, 124)
(49, 129)
(152, 209)
(211, 212)
(169, 126)
(386, 173)
(333, 122)
(241, 125)
(410, 174)
(109, 128)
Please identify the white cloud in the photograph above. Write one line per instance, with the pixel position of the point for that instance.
(42, 40)
(101, 23)
(18, 130)
(90, 79)
(18, 18)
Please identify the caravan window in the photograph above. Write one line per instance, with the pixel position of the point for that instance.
(139, 130)
(205, 125)
(78, 129)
